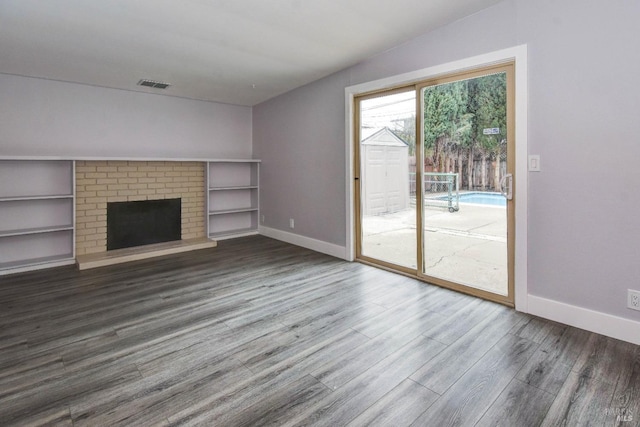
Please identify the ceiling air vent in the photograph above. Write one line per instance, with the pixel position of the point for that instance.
(153, 83)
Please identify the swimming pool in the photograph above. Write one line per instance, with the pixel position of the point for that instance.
(482, 198)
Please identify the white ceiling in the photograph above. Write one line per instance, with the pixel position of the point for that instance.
(214, 50)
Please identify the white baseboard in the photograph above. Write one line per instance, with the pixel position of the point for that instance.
(583, 318)
(306, 242)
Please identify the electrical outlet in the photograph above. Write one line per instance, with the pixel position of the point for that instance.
(291, 223)
(262, 219)
(633, 299)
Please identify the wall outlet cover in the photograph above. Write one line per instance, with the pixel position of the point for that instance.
(633, 299)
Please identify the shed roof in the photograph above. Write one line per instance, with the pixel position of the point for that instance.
(385, 137)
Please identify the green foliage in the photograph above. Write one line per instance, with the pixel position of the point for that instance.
(491, 110)
(455, 115)
(445, 112)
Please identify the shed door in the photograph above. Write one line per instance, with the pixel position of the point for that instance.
(376, 185)
(396, 179)
(385, 185)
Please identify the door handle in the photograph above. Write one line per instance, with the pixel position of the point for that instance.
(506, 186)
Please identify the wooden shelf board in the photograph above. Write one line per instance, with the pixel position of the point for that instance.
(232, 211)
(221, 235)
(137, 253)
(35, 261)
(37, 230)
(22, 198)
(239, 187)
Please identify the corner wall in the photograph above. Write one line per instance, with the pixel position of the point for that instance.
(583, 105)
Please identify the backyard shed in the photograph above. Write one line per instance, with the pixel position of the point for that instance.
(385, 173)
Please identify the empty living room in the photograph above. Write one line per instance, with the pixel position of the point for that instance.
(285, 213)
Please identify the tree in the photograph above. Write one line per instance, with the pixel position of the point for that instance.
(455, 116)
(446, 121)
(489, 107)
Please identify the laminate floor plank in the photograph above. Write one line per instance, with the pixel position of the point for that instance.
(395, 292)
(400, 407)
(446, 302)
(30, 373)
(446, 368)
(52, 417)
(537, 329)
(626, 399)
(55, 393)
(160, 393)
(260, 332)
(467, 400)
(606, 359)
(307, 318)
(140, 348)
(13, 352)
(302, 336)
(348, 402)
(462, 321)
(288, 303)
(339, 371)
(382, 322)
(519, 405)
(253, 389)
(588, 396)
(582, 401)
(550, 366)
(309, 334)
(277, 407)
(281, 303)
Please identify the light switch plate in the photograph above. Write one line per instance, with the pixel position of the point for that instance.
(534, 163)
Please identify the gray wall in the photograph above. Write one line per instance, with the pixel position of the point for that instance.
(584, 104)
(301, 145)
(49, 118)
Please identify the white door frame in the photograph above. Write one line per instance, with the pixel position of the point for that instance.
(517, 54)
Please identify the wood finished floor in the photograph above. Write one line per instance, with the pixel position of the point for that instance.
(257, 332)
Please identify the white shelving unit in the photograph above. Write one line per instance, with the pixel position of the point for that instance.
(37, 211)
(233, 198)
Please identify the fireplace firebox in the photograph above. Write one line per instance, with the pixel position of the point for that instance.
(143, 222)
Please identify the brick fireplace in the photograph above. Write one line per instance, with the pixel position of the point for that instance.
(102, 182)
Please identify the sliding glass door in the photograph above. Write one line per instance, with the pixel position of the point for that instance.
(386, 162)
(440, 206)
(467, 193)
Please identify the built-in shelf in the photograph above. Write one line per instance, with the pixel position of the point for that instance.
(232, 198)
(37, 211)
(37, 208)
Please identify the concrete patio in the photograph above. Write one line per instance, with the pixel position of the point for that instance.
(467, 247)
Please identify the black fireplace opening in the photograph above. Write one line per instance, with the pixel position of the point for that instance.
(143, 222)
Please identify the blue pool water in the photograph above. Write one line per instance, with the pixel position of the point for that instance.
(481, 198)
(493, 199)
